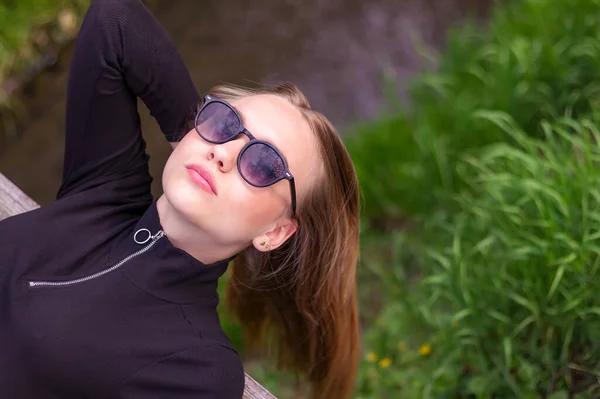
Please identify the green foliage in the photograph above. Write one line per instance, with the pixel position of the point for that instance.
(17, 20)
(508, 302)
(484, 278)
(401, 171)
(535, 60)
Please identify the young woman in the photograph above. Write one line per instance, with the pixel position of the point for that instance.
(108, 293)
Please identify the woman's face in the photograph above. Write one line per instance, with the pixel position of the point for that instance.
(239, 213)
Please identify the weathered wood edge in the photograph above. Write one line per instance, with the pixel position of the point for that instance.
(14, 201)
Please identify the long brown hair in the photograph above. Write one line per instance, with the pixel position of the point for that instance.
(303, 294)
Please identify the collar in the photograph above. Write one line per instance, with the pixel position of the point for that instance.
(164, 270)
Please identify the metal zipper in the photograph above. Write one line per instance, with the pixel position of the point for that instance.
(154, 239)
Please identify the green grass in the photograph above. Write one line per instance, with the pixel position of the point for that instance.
(508, 300)
(480, 247)
(30, 30)
(18, 19)
(536, 60)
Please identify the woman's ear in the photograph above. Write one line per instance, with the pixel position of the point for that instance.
(275, 237)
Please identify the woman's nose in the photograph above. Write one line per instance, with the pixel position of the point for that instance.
(225, 155)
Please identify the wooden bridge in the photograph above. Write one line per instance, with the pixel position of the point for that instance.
(14, 201)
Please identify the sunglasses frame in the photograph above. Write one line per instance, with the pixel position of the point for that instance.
(287, 175)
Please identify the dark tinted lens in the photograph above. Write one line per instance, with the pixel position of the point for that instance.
(217, 123)
(261, 165)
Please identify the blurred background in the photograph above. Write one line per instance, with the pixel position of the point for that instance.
(338, 52)
(473, 128)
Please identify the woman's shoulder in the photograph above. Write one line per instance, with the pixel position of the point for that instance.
(73, 230)
(204, 369)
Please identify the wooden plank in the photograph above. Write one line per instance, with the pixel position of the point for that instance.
(14, 201)
(255, 391)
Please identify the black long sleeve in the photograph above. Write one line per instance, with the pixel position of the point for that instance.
(121, 53)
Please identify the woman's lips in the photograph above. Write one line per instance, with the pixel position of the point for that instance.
(202, 177)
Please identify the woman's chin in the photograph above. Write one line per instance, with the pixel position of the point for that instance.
(185, 199)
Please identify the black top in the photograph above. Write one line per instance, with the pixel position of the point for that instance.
(89, 308)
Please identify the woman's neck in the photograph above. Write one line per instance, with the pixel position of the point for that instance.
(188, 237)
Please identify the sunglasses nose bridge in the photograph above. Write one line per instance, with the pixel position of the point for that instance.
(248, 134)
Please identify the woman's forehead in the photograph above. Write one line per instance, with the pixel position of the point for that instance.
(271, 116)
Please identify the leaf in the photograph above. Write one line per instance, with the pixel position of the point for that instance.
(565, 259)
(507, 345)
(456, 246)
(595, 311)
(564, 353)
(499, 316)
(483, 245)
(557, 277)
(527, 321)
(501, 119)
(439, 258)
(535, 185)
(593, 237)
(436, 279)
(572, 305)
(461, 315)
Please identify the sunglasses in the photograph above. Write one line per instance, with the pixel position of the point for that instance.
(259, 163)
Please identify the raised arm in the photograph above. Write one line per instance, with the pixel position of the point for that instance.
(121, 53)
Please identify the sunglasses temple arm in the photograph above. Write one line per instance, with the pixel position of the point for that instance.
(293, 190)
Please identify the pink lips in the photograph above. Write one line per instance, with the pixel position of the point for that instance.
(202, 177)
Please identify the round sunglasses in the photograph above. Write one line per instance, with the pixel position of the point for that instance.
(259, 163)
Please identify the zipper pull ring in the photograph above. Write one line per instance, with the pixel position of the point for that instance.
(154, 237)
(142, 241)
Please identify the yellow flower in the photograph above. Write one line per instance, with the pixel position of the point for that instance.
(401, 346)
(425, 350)
(385, 362)
(372, 356)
